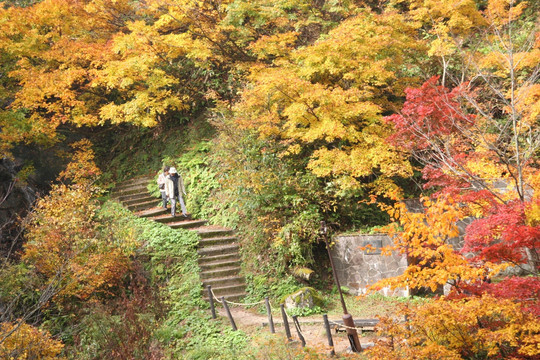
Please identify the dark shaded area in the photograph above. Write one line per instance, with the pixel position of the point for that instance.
(23, 179)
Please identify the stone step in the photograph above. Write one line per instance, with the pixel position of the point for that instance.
(139, 206)
(211, 265)
(135, 199)
(209, 232)
(130, 186)
(233, 280)
(226, 290)
(144, 205)
(185, 224)
(238, 297)
(230, 297)
(223, 240)
(129, 191)
(143, 180)
(168, 218)
(218, 250)
(208, 260)
(220, 272)
(219, 254)
(154, 212)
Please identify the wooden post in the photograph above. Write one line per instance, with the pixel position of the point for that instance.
(329, 335)
(270, 319)
(211, 298)
(298, 330)
(285, 322)
(228, 313)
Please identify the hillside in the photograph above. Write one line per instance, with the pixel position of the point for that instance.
(289, 121)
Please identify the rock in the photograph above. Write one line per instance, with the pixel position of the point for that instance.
(303, 273)
(304, 298)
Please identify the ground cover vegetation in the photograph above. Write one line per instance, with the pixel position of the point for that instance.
(94, 281)
(291, 112)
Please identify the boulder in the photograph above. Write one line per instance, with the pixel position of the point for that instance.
(304, 298)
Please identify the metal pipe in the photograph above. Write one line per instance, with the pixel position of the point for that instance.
(324, 230)
(352, 334)
(347, 318)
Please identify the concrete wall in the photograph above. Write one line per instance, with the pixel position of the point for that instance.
(357, 269)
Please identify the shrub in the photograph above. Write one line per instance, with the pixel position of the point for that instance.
(23, 341)
(474, 328)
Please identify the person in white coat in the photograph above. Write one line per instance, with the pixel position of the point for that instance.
(174, 186)
(161, 184)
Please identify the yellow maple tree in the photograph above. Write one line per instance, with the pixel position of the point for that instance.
(329, 97)
(67, 243)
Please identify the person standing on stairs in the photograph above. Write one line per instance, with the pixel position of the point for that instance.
(162, 178)
(174, 186)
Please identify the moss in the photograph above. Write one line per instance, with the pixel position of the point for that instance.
(303, 273)
(317, 298)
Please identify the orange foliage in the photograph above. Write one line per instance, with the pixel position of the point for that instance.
(484, 327)
(67, 242)
(27, 342)
(425, 238)
(82, 168)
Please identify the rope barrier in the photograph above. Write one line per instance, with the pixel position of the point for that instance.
(262, 301)
(234, 303)
(344, 326)
(214, 295)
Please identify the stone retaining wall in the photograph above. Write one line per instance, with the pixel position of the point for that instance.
(357, 268)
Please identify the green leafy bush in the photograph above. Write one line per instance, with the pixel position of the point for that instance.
(305, 311)
(21, 289)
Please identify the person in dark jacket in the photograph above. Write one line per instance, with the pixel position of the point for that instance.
(174, 187)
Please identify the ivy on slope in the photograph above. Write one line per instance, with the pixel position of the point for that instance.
(188, 329)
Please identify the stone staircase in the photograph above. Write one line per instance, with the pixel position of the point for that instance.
(219, 261)
(219, 257)
(134, 195)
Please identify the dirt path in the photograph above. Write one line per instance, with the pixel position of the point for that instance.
(312, 328)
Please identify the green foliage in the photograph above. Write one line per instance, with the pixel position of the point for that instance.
(284, 200)
(273, 287)
(132, 151)
(200, 179)
(306, 311)
(188, 330)
(21, 289)
(169, 319)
